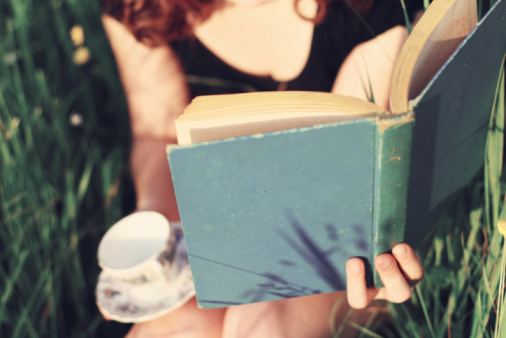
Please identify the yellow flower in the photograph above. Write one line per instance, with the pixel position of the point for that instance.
(81, 56)
(77, 35)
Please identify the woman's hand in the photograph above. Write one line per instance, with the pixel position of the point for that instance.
(399, 271)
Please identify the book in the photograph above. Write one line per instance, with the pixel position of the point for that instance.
(277, 190)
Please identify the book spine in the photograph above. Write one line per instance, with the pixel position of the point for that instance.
(393, 150)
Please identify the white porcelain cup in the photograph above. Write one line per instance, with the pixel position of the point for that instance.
(139, 248)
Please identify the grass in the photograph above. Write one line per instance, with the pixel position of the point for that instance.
(463, 258)
(63, 149)
(64, 142)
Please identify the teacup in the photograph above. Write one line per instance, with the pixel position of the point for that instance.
(139, 249)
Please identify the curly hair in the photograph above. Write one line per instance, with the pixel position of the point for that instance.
(158, 22)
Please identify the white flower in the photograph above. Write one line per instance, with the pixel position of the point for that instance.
(76, 119)
(10, 57)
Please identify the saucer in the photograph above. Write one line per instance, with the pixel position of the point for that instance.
(128, 303)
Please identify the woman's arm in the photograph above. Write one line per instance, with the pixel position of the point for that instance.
(156, 94)
(373, 62)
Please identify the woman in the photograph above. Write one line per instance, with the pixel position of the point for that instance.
(171, 50)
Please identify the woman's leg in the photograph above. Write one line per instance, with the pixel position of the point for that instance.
(300, 317)
(188, 322)
(319, 316)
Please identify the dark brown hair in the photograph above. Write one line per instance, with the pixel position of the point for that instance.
(158, 22)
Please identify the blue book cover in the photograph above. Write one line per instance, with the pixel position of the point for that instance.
(276, 215)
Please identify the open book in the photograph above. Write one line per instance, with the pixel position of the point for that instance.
(277, 190)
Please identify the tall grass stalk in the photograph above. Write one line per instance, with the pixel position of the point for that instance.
(499, 145)
(63, 147)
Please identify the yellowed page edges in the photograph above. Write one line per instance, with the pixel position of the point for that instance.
(438, 33)
(215, 117)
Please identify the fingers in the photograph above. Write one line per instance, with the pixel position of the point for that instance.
(409, 263)
(359, 296)
(398, 272)
(396, 288)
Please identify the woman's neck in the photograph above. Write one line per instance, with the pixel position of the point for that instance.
(269, 39)
(247, 2)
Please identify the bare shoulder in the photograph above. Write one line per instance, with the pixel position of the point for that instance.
(152, 79)
(369, 67)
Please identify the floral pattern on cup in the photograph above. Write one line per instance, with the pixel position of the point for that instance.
(134, 303)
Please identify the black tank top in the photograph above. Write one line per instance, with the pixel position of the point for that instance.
(333, 39)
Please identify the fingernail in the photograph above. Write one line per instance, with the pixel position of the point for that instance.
(355, 268)
(400, 251)
(384, 261)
